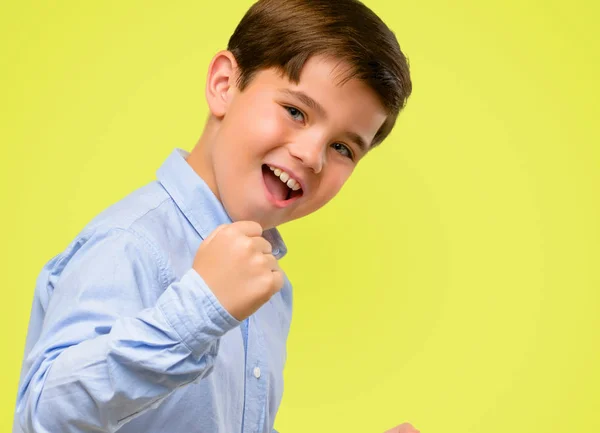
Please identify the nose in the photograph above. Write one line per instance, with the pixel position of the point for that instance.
(310, 151)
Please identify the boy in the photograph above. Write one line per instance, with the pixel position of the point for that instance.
(169, 312)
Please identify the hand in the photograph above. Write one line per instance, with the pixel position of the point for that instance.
(238, 266)
(403, 428)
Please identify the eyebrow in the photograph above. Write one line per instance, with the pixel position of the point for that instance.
(306, 100)
(359, 141)
(311, 103)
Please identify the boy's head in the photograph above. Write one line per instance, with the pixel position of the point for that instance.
(307, 87)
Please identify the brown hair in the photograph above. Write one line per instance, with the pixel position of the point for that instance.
(286, 33)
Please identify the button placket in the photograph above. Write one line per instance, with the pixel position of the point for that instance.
(256, 379)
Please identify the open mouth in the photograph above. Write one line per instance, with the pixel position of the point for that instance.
(282, 188)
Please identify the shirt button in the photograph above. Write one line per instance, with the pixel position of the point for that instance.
(257, 372)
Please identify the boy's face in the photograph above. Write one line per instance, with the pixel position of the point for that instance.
(316, 131)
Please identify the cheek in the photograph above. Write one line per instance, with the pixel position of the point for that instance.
(269, 126)
(332, 183)
(260, 125)
(338, 181)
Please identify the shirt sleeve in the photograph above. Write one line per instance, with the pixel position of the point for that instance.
(113, 343)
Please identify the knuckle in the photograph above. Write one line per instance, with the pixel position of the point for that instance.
(268, 246)
(226, 230)
(270, 261)
(245, 243)
(261, 260)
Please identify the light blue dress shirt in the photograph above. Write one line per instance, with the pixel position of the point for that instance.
(126, 337)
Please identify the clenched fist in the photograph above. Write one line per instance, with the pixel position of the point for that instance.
(403, 428)
(238, 266)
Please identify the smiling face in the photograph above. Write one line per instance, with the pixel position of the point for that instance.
(309, 135)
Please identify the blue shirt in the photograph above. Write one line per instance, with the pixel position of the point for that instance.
(126, 337)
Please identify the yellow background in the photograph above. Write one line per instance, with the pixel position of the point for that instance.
(455, 281)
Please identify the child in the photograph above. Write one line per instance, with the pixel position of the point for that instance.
(169, 312)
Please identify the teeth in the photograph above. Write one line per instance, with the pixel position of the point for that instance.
(285, 178)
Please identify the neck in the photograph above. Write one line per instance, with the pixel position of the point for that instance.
(200, 158)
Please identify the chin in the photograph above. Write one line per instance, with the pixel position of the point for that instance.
(238, 210)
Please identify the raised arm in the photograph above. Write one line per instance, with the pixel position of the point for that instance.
(114, 343)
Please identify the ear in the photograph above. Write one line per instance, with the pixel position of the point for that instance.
(220, 83)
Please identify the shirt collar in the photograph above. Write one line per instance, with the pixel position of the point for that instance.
(198, 203)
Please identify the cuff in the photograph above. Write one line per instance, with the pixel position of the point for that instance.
(195, 313)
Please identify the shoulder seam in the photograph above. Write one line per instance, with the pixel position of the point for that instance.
(149, 246)
(162, 265)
